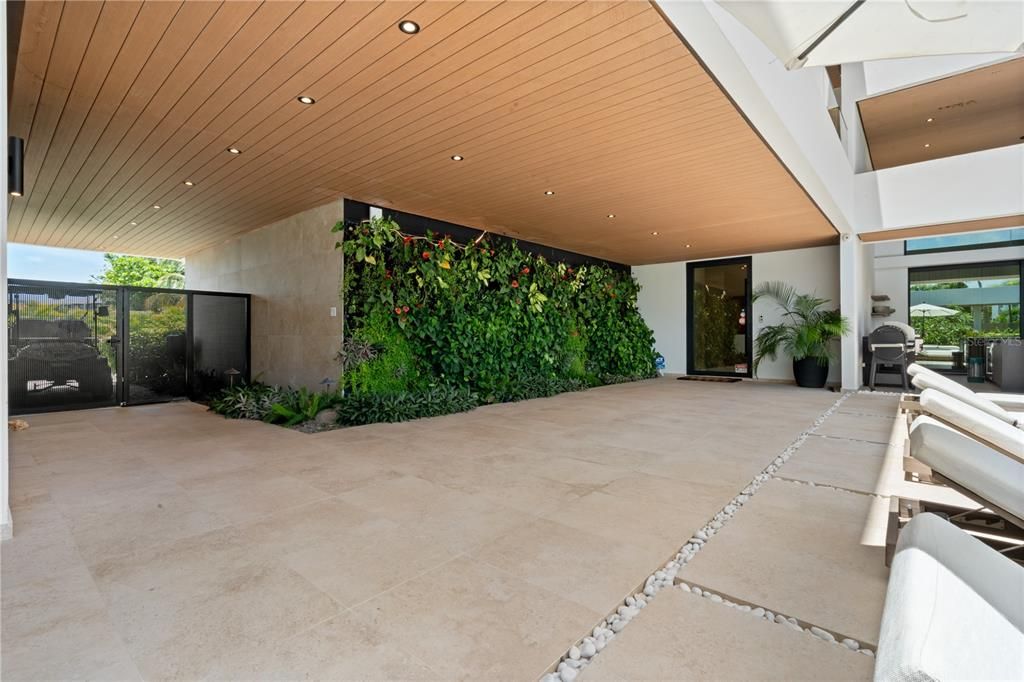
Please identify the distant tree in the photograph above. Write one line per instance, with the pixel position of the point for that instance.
(139, 271)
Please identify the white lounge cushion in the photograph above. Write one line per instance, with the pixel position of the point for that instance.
(973, 421)
(1013, 402)
(932, 380)
(991, 475)
(954, 609)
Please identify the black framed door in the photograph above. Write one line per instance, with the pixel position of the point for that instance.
(719, 339)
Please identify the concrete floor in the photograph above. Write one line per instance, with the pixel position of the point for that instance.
(165, 542)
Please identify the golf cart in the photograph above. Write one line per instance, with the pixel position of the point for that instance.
(53, 345)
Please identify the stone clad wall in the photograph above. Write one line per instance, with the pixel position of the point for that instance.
(293, 273)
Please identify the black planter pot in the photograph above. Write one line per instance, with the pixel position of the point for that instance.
(809, 373)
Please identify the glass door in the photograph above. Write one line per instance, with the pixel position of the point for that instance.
(718, 316)
(155, 355)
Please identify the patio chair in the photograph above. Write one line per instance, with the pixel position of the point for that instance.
(978, 424)
(954, 608)
(889, 345)
(980, 472)
(927, 380)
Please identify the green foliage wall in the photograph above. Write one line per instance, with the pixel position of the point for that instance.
(486, 317)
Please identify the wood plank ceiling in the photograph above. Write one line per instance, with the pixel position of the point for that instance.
(966, 112)
(601, 103)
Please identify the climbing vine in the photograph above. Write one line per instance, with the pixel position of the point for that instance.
(487, 317)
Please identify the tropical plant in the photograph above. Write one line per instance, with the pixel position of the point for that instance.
(247, 401)
(370, 408)
(485, 316)
(807, 329)
(295, 406)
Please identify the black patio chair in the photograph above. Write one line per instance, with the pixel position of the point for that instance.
(889, 346)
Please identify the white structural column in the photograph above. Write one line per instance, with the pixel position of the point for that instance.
(855, 287)
(5, 471)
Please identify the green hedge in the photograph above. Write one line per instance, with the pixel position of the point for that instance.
(492, 319)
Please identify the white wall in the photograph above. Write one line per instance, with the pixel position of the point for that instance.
(984, 184)
(662, 300)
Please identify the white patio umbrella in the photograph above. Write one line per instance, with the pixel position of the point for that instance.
(927, 310)
(824, 32)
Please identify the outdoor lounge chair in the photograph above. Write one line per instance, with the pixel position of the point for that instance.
(1008, 407)
(954, 609)
(979, 424)
(984, 474)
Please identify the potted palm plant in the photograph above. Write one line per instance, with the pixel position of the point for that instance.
(806, 333)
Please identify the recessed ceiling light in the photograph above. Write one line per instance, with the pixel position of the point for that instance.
(930, 119)
(306, 99)
(548, 192)
(457, 157)
(133, 223)
(189, 183)
(116, 237)
(655, 234)
(234, 150)
(687, 246)
(15, 194)
(407, 26)
(611, 215)
(926, 145)
(156, 207)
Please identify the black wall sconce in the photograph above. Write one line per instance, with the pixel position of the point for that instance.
(15, 166)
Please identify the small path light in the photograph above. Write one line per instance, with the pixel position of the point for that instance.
(232, 373)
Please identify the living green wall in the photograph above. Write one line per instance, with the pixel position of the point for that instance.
(488, 317)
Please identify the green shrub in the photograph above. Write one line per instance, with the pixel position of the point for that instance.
(391, 368)
(248, 401)
(370, 408)
(302, 405)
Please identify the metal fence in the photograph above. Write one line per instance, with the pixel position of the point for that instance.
(91, 345)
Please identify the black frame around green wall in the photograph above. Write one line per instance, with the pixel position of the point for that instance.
(356, 212)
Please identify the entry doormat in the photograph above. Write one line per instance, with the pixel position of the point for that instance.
(717, 380)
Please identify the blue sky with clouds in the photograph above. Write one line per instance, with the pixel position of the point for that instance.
(25, 261)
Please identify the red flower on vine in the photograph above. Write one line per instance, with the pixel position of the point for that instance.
(515, 284)
(526, 271)
(405, 309)
(398, 311)
(440, 244)
(426, 255)
(407, 240)
(387, 274)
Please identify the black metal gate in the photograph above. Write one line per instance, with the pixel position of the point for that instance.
(89, 345)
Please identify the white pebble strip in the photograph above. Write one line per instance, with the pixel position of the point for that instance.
(605, 631)
(779, 619)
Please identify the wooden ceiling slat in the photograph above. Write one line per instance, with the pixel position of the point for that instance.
(74, 33)
(172, 44)
(229, 18)
(152, 21)
(599, 100)
(115, 19)
(257, 28)
(309, 156)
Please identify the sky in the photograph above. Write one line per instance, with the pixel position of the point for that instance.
(25, 261)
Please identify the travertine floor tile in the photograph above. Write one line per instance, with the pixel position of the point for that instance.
(683, 637)
(798, 550)
(851, 464)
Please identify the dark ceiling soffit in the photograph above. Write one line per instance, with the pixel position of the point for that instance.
(355, 212)
(740, 111)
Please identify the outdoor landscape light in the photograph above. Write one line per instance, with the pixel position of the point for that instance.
(234, 150)
(407, 26)
(457, 157)
(15, 166)
(305, 99)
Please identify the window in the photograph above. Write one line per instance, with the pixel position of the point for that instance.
(950, 305)
(972, 240)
